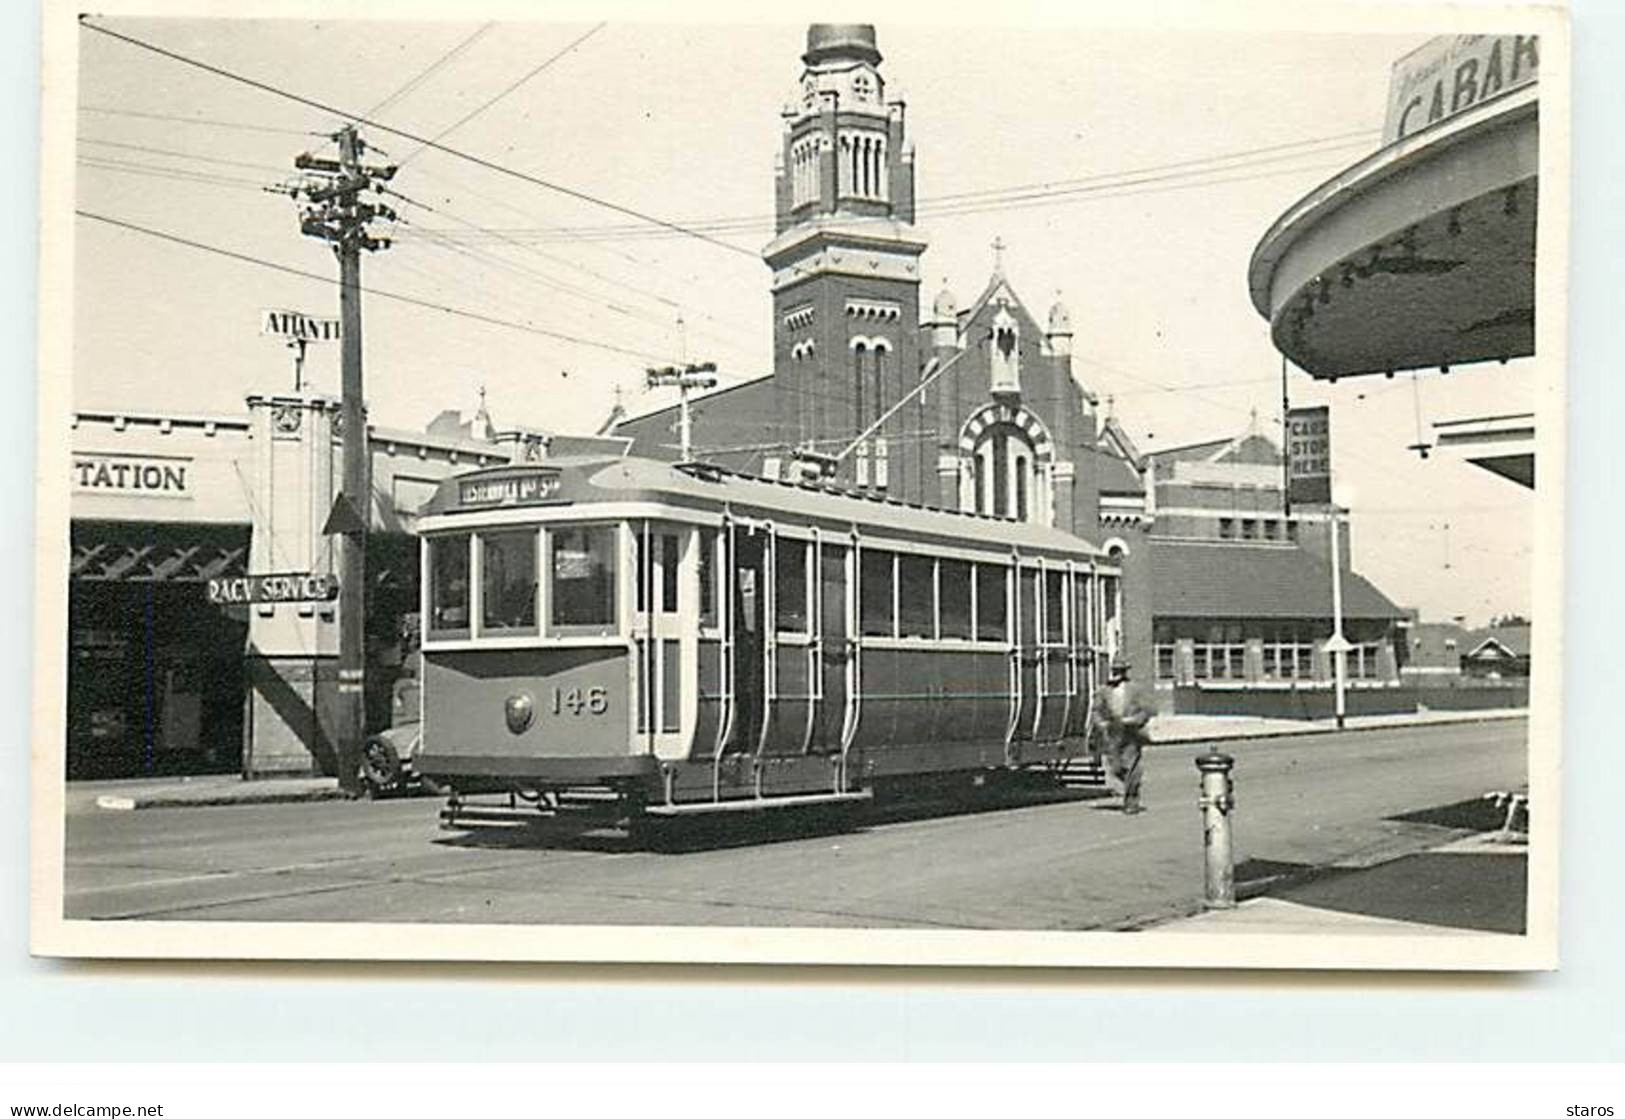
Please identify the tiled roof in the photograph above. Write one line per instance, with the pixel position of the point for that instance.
(1200, 580)
(1514, 639)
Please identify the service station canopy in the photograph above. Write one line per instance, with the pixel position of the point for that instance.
(1421, 255)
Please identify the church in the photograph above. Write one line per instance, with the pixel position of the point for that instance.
(969, 406)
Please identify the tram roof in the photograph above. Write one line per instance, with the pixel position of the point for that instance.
(625, 479)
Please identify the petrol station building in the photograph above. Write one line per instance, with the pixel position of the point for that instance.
(161, 679)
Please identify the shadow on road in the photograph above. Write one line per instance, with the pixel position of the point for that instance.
(681, 835)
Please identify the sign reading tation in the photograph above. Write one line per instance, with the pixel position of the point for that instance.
(240, 590)
(298, 327)
(1309, 455)
(137, 475)
(513, 490)
(1451, 74)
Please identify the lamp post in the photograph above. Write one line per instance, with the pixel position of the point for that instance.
(1338, 646)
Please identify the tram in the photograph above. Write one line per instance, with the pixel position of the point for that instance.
(678, 639)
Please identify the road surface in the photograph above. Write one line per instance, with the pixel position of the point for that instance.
(1067, 863)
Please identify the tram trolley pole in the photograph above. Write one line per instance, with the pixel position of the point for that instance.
(1217, 801)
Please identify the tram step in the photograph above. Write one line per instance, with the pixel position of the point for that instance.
(1082, 773)
(752, 804)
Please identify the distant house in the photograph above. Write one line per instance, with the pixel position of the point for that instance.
(1432, 652)
(1497, 652)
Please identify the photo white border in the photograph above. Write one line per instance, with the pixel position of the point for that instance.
(54, 935)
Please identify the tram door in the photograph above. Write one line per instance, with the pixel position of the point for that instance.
(1054, 671)
(657, 634)
(834, 649)
(749, 558)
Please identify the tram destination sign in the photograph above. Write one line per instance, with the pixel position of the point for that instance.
(518, 489)
(242, 590)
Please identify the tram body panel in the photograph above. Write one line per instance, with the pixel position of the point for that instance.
(753, 639)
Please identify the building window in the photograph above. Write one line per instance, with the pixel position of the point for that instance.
(1249, 529)
(1292, 531)
(1004, 354)
(1272, 530)
(1227, 528)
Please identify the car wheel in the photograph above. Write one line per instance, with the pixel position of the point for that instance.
(380, 767)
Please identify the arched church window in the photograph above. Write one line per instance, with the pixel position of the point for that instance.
(862, 88)
(1005, 467)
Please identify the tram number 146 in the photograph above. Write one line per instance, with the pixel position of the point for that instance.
(579, 701)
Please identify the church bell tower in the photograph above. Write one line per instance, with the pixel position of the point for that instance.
(846, 265)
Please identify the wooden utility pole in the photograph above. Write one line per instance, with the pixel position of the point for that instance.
(336, 213)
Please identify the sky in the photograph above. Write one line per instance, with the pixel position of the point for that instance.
(681, 122)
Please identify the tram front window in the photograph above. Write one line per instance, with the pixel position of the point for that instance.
(448, 585)
(582, 565)
(508, 582)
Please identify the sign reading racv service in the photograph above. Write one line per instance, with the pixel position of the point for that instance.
(240, 590)
(1309, 455)
(1451, 74)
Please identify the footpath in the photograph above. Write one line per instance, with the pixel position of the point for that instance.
(226, 788)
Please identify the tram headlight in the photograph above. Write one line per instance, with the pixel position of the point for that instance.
(519, 709)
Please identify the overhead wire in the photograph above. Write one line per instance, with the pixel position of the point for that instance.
(204, 121)
(171, 152)
(507, 90)
(460, 312)
(478, 161)
(433, 68)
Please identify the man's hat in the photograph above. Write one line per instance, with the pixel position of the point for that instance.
(1120, 668)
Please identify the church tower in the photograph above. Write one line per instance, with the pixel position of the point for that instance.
(846, 265)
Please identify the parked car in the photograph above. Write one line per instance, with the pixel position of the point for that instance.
(388, 757)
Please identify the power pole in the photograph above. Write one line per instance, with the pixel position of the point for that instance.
(688, 377)
(335, 213)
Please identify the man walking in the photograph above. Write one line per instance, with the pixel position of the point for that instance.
(1122, 714)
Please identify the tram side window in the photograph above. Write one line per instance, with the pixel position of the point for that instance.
(708, 576)
(916, 608)
(1054, 607)
(991, 606)
(953, 592)
(508, 581)
(875, 591)
(583, 570)
(790, 585)
(448, 585)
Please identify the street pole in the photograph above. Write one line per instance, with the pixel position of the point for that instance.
(352, 545)
(1339, 643)
(336, 214)
(688, 377)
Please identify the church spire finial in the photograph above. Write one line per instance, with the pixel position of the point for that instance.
(998, 256)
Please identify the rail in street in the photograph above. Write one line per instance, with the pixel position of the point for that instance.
(1069, 862)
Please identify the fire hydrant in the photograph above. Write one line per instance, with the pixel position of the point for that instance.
(1218, 798)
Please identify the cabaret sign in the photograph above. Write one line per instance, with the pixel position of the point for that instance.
(133, 475)
(517, 490)
(241, 590)
(1451, 74)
